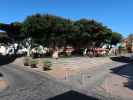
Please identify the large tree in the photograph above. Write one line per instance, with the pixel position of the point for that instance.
(93, 33)
(13, 31)
(115, 38)
(54, 31)
(47, 30)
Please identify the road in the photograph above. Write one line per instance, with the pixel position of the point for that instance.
(26, 85)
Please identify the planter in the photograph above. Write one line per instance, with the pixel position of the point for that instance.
(46, 65)
(125, 84)
(27, 61)
(26, 64)
(34, 63)
(33, 66)
(46, 68)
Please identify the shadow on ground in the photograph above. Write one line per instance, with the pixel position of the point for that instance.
(121, 59)
(6, 59)
(124, 70)
(72, 95)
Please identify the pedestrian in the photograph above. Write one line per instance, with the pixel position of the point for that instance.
(55, 54)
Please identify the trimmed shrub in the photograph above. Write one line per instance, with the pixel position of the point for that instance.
(46, 65)
(34, 63)
(27, 61)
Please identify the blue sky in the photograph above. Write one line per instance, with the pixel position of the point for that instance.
(116, 14)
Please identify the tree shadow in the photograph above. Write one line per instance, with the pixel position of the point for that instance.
(6, 59)
(123, 59)
(124, 70)
(73, 95)
(130, 84)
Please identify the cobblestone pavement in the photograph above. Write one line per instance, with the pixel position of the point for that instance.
(90, 74)
(90, 79)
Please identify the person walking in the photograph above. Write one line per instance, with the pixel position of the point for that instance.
(55, 54)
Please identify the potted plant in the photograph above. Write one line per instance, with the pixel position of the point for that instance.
(33, 63)
(27, 61)
(46, 65)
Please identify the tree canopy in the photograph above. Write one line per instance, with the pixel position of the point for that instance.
(116, 37)
(13, 31)
(52, 31)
